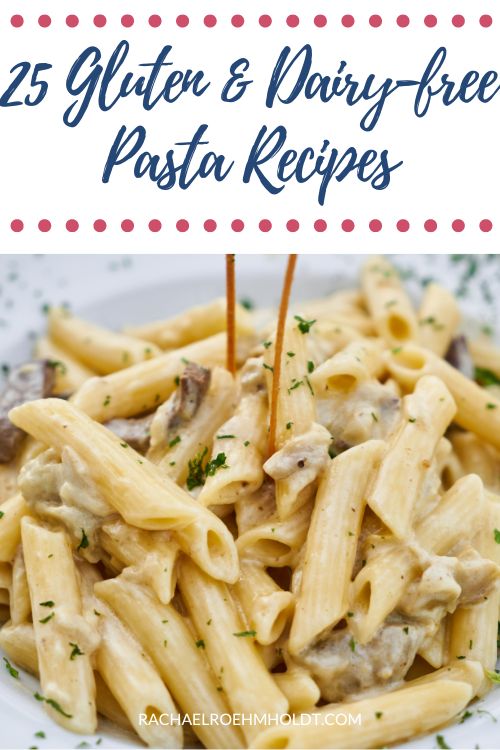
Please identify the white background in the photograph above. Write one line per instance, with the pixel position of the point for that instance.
(451, 157)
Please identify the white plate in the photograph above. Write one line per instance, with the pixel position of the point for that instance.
(116, 290)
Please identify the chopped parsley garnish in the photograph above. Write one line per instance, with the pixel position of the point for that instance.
(310, 366)
(441, 743)
(496, 535)
(54, 704)
(493, 676)
(289, 425)
(309, 385)
(304, 326)
(124, 445)
(378, 714)
(397, 350)
(247, 303)
(295, 385)
(352, 645)
(196, 475)
(466, 715)
(290, 354)
(406, 630)
(55, 363)
(374, 417)
(46, 619)
(84, 542)
(209, 622)
(267, 367)
(40, 734)
(460, 657)
(412, 419)
(97, 614)
(224, 437)
(489, 405)
(107, 401)
(76, 651)
(350, 614)
(219, 462)
(246, 634)
(48, 603)
(10, 669)
(246, 443)
(177, 380)
(175, 441)
(485, 377)
(2, 514)
(266, 344)
(200, 643)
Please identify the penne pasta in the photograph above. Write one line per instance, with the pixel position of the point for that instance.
(387, 302)
(195, 324)
(438, 319)
(101, 350)
(69, 373)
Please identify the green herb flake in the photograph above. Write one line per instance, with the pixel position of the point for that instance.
(296, 385)
(441, 742)
(247, 303)
(219, 462)
(84, 542)
(290, 354)
(196, 477)
(10, 669)
(56, 364)
(200, 643)
(177, 380)
(412, 419)
(496, 535)
(97, 614)
(406, 630)
(224, 437)
(460, 657)
(246, 443)
(46, 619)
(378, 714)
(489, 405)
(76, 651)
(246, 634)
(48, 603)
(267, 367)
(374, 417)
(304, 326)
(289, 425)
(310, 366)
(40, 734)
(175, 441)
(397, 350)
(266, 344)
(350, 614)
(124, 445)
(2, 514)
(492, 675)
(352, 645)
(107, 401)
(485, 377)
(466, 715)
(209, 622)
(53, 704)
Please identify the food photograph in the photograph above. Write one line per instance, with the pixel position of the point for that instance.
(249, 501)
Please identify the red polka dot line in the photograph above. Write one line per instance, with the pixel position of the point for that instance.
(266, 225)
(265, 21)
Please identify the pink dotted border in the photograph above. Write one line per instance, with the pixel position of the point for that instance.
(264, 21)
(264, 225)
